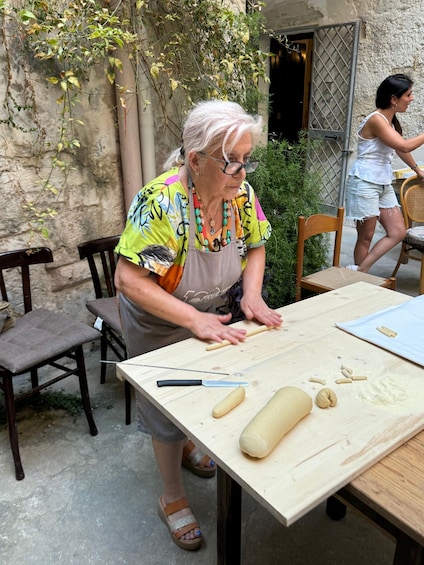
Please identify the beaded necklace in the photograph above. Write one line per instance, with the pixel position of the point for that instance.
(208, 242)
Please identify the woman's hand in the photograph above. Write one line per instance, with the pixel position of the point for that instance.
(213, 327)
(420, 173)
(254, 307)
(252, 304)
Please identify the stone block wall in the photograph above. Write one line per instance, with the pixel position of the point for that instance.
(90, 201)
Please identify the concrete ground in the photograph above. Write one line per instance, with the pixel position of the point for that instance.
(92, 500)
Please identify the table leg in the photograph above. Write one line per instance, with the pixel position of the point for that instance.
(228, 519)
(335, 509)
(408, 551)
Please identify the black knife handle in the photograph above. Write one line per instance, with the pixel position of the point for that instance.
(179, 382)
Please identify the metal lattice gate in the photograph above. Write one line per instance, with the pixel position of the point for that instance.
(333, 78)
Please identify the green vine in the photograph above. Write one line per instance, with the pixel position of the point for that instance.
(202, 49)
(186, 51)
(69, 42)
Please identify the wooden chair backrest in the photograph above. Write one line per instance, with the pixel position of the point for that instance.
(314, 225)
(23, 258)
(103, 269)
(412, 201)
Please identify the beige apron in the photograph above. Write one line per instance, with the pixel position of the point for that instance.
(206, 279)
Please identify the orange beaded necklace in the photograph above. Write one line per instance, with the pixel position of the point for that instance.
(207, 241)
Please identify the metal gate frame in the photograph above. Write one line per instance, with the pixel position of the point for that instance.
(334, 59)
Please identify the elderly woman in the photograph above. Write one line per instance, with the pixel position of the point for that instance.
(190, 235)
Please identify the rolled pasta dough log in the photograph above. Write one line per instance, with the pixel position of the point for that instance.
(229, 402)
(285, 409)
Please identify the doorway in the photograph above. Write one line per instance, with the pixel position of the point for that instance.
(311, 90)
(289, 90)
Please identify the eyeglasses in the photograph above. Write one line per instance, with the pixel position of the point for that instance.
(234, 167)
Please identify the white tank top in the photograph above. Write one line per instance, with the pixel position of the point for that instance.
(374, 158)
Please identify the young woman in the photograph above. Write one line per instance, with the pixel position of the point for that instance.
(369, 193)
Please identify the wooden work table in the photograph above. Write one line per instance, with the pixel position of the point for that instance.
(391, 493)
(338, 450)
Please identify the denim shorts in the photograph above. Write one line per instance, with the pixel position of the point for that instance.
(365, 199)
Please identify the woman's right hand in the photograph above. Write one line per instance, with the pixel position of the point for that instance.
(140, 287)
(213, 327)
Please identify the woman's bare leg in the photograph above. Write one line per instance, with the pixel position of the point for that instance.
(365, 231)
(168, 457)
(392, 221)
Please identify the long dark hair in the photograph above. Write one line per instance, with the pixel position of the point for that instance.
(394, 85)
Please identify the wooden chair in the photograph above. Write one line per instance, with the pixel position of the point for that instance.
(334, 277)
(39, 338)
(102, 262)
(412, 203)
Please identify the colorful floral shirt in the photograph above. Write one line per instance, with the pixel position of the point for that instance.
(156, 234)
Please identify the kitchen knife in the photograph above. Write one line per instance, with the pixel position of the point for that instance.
(200, 382)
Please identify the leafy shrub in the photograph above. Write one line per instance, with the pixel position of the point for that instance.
(286, 190)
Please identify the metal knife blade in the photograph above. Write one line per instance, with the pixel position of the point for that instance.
(200, 382)
(127, 363)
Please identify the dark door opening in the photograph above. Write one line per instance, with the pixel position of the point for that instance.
(290, 80)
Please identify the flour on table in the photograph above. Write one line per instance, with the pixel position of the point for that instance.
(383, 393)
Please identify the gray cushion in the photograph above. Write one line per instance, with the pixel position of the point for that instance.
(415, 237)
(39, 335)
(107, 310)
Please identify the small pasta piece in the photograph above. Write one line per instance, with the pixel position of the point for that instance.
(346, 369)
(359, 378)
(325, 398)
(387, 331)
(317, 380)
(343, 380)
(346, 373)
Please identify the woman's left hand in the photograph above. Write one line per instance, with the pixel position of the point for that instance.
(256, 308)
(420, 174)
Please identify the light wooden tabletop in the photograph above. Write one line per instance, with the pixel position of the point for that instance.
(327, 449)
(394, 487)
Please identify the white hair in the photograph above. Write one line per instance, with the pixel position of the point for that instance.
(212, 125)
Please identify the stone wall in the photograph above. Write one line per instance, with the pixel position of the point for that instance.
(90, 200)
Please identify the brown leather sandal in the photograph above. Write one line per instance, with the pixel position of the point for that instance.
(180, 526)
(196, 461)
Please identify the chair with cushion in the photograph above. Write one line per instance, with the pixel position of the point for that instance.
(333, 277)
(38, 338)
(102, 262)
(412, 202)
